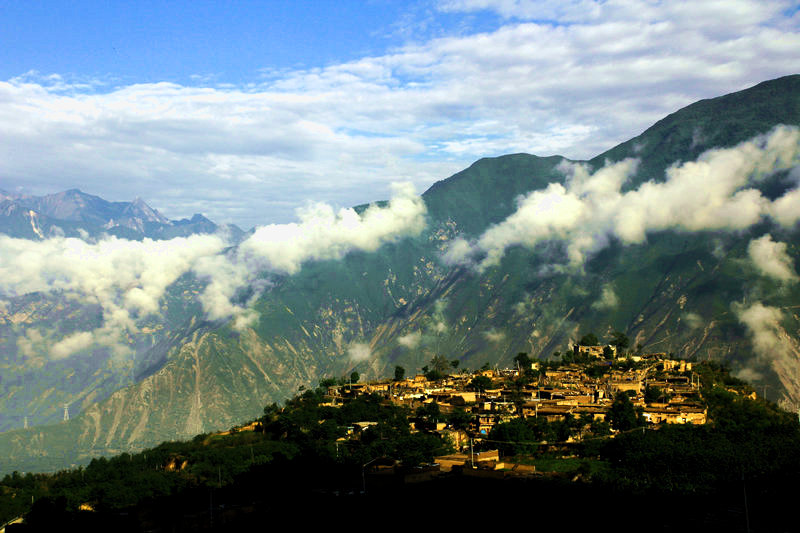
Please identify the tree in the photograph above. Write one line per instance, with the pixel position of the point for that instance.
(655, 394)
(399, 373)
(523, 361)
(622, 415)
(428, 415)
(459, 419)
(620, 340)
(480, 383)
(327, 382)
(440, 364)
(454, 363)
(354, 377)
(590, 339)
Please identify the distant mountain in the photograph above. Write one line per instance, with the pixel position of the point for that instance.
(72, 212)
(401, 305)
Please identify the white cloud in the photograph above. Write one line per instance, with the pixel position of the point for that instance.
(771, 259)
(321, 233)
(128, 279)
(771, 343)
(70, 344)
(572, 77)
(358, 352)
(494, 336)
(410, 340)
(710, 193)
(608, 299)
(32, 343)
(693, 320)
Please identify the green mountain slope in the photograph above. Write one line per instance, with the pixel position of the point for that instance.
(402, 304)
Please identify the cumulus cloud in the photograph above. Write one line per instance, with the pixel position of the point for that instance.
(693, 320)
(32, 343)
(70, 344)
(410, 340)
(494, 336)
(358, 352)
(608, 299)
(565, 77)
(710, 193)
(321, 233)
(771, 259)
(128, 279)
(771, 343)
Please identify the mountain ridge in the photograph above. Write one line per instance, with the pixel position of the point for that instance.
(70, 211)
(402, 305)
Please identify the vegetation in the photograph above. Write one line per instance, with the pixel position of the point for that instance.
(748, 439)
(302, 434)
(308, 445)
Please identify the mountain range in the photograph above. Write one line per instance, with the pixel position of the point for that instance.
(518, 253)
(74, 213)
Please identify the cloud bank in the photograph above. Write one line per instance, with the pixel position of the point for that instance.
(710, 193)
(128, 279)
(125, 278)
(321, 233)
(572, 78)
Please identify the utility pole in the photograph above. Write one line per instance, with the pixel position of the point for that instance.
(471, 454)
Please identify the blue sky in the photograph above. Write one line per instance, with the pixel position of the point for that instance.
(245, 111)
(219, 42)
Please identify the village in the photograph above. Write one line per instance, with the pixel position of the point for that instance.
(582, 388)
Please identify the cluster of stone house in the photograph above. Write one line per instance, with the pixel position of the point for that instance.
(555, 394)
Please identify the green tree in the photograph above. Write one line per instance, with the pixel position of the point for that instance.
(480, 383)
(440, 364)
(622, 415)
(620, 340)
(460, 419)
(523, 361)
(399, 373)
(655, 394)
(590, 339)
(354, 377)
(428, 415)
(327, 382)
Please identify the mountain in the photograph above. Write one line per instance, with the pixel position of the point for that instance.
(72, 213)
(681, 291)
(34, 387)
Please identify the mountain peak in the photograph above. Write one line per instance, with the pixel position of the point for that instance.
(139, 208)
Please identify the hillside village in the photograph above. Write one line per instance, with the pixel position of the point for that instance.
(580, 389)
(555, 428)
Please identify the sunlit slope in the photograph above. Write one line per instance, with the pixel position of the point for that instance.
(402, 304)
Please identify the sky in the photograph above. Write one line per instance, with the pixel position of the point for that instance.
(247, 111)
